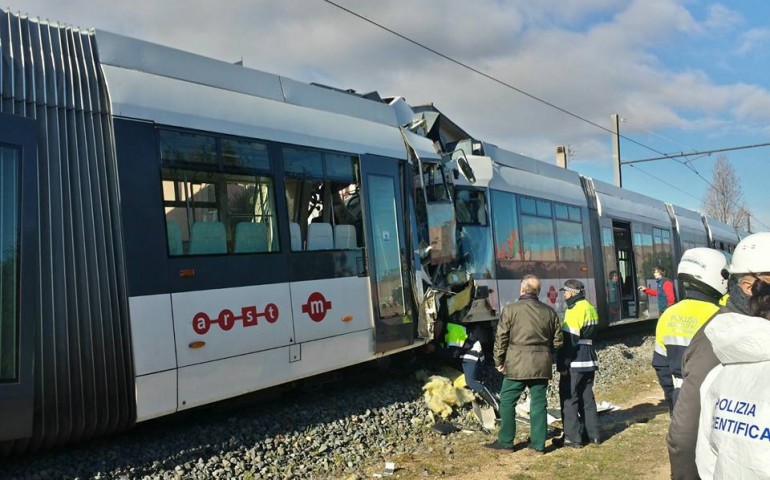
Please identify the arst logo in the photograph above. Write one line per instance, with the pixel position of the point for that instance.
(226, 319)
(316, 306)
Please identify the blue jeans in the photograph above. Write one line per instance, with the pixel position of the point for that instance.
(469, 369)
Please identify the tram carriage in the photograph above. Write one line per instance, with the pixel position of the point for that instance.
(176, 230)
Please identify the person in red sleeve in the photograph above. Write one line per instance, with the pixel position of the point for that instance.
(665, 290)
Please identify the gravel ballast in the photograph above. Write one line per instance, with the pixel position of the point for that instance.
(327, 431)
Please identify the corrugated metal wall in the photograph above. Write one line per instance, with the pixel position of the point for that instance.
(83, 368)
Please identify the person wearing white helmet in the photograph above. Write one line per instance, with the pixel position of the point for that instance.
(734, 428)
(750, 262)
(700, 273)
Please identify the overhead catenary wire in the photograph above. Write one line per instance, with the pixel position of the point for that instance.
(488, 76)
(662, 155)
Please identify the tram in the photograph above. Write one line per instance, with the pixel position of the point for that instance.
(177, 230)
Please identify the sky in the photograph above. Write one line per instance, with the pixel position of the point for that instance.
(683, 75)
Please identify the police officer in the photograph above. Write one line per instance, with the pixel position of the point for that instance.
(751, 260)
(700, 272)
(577, 363)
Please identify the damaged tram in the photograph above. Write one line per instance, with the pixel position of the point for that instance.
(176, 230)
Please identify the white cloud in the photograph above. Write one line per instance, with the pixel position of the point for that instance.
(591, 57)
(753, 40)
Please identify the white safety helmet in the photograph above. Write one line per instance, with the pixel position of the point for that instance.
(752, 254)
(702, 267)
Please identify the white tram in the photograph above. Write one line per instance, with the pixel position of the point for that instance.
(176, 230)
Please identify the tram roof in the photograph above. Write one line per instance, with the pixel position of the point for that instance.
(171, 86)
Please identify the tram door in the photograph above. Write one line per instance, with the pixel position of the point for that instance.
(626, 268)
(19, 303)
(386, 250)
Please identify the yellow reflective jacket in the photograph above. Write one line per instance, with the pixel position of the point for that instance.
(675, 330)
(581, 323)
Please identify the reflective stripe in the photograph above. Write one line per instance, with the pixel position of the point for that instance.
(455, 344)
(590, 363)
(677, 381)
(676, 340)
(661, 350)
(475, 353)
(471, 357)
(585, 341)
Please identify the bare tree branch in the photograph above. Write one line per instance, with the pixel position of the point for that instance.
(724, 198)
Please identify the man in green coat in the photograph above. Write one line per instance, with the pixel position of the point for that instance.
(528, 332)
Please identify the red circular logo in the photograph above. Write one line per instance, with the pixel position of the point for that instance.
(271, 313)
(552, 295)
(316, 306)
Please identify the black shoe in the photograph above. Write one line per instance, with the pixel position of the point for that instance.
(563, 442)
(498, 446)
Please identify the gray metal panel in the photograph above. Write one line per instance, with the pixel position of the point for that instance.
(691, 222)
(83, 367)
(168, 101)
(622, 204)
(527, 183)
(134, 54)
(328, 100)
(516, 173)
(129, 53)
(722, 232)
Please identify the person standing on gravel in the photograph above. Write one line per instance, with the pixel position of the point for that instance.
(527, 333)
(577, 364)
(751, 259)
(700, 273)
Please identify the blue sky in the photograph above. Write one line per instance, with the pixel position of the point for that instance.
(685, 75)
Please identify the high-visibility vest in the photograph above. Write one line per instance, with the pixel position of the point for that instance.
(677, 326)
(581, 323)
(455, 335)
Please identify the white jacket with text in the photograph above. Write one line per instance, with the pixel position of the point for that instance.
(734, 429)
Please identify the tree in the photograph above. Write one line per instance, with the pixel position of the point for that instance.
(723, 200)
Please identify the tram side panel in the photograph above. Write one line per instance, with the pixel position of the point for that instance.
(221, 323)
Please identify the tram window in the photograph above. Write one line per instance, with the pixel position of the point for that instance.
(340, 166)
(228, 207)
(561, 211)
(528, 205)
(569, 236)
(186, 147)
(544, 208)
(205, 210)
(574, 214)
(538, 239)
(9, 262)
(244, 154)
(303, 162)
(661, 246)
(470, 207)
(322, 187)
(506, 227)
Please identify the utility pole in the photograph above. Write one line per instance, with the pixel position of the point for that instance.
(615, 123)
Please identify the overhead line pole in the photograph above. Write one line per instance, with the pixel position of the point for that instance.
(616, 163)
